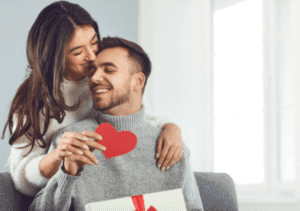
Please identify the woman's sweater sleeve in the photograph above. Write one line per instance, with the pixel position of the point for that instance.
(25, 171)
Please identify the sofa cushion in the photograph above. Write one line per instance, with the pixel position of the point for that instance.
(10, 198)
(217, 191)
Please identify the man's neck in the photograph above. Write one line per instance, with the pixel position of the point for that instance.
(123, 122)
(125, 109)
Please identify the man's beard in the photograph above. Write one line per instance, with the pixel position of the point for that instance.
(116, 101)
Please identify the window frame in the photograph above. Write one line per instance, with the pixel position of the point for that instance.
(272, 186)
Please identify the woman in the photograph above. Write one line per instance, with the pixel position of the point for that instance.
(56, 94)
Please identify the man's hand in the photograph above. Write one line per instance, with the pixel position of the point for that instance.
(169, 146)
(74, 161)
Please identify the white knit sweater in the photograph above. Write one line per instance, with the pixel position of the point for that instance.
(25, 171)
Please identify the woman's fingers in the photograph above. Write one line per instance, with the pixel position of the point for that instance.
(176, 157)
(168, 159)
(163, 154)
(159, 147)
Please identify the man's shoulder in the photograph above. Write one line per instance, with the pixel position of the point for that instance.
(147, 129)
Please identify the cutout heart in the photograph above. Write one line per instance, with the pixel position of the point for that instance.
(116, 143)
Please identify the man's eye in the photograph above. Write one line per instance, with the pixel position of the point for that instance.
(108, 70)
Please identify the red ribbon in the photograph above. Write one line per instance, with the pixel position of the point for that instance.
(139, 203)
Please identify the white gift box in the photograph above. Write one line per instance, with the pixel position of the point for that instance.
(171, 200)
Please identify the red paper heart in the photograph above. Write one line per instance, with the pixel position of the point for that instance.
(116, 143)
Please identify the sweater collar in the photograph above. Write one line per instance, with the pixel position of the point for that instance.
(128, 122)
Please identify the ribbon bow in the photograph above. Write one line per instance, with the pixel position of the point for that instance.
(139, 203)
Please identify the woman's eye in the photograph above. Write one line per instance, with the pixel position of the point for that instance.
(95, 43)
(76, 54)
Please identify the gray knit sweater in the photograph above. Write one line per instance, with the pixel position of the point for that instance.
(127, 175)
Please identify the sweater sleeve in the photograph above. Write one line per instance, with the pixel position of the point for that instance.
(156, 121)
(190, 188)
(58, 193)
(25, 171)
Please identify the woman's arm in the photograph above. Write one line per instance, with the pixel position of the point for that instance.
(169, 147)
(25, 171)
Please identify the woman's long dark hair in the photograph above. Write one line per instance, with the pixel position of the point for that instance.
(46, 53)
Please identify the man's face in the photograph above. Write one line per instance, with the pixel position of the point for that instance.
(110, 82)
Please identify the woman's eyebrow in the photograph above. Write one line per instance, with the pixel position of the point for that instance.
(94, 36)
(73, 49)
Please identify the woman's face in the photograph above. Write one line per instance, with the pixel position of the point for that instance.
(81, 51)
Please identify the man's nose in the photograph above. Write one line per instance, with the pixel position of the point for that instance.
(97, 75)
(90, 54)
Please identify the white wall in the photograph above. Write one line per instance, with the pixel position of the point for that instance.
(114, 17)
(174, 35)
(295, 31)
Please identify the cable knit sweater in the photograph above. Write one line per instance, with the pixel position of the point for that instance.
(131, 174)
(25, 171)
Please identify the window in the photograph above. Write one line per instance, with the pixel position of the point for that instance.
(238, 91)
(253, 93)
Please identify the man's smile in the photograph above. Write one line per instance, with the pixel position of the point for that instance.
(99, 91)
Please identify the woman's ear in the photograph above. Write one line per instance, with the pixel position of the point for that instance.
(139, 81)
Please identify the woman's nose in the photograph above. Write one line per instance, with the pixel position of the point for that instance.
(90, 54)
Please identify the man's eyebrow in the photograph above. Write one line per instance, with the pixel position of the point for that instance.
(107, 64)
(73, 49)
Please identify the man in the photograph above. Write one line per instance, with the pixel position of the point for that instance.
(118, 78)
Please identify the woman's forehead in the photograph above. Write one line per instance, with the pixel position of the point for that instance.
(81, 36)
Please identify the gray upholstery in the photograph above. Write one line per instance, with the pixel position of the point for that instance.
(217, 192)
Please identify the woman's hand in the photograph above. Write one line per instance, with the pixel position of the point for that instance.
(81, 155)
(169, 146)
(77, 147)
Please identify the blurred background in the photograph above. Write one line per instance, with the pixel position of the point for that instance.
(225, 71)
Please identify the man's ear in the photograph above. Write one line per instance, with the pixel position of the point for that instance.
(138, 81)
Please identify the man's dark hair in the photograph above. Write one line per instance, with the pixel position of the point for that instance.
(134, 50)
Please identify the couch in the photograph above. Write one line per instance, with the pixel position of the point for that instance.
(217, 191)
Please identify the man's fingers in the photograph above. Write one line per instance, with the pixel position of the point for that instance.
(159, 147)
(91, 134)
(75, 135)
(75, 143)
(63, 154)
(94, 145)
(81, 158)
(91, 156)
(168, 158)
